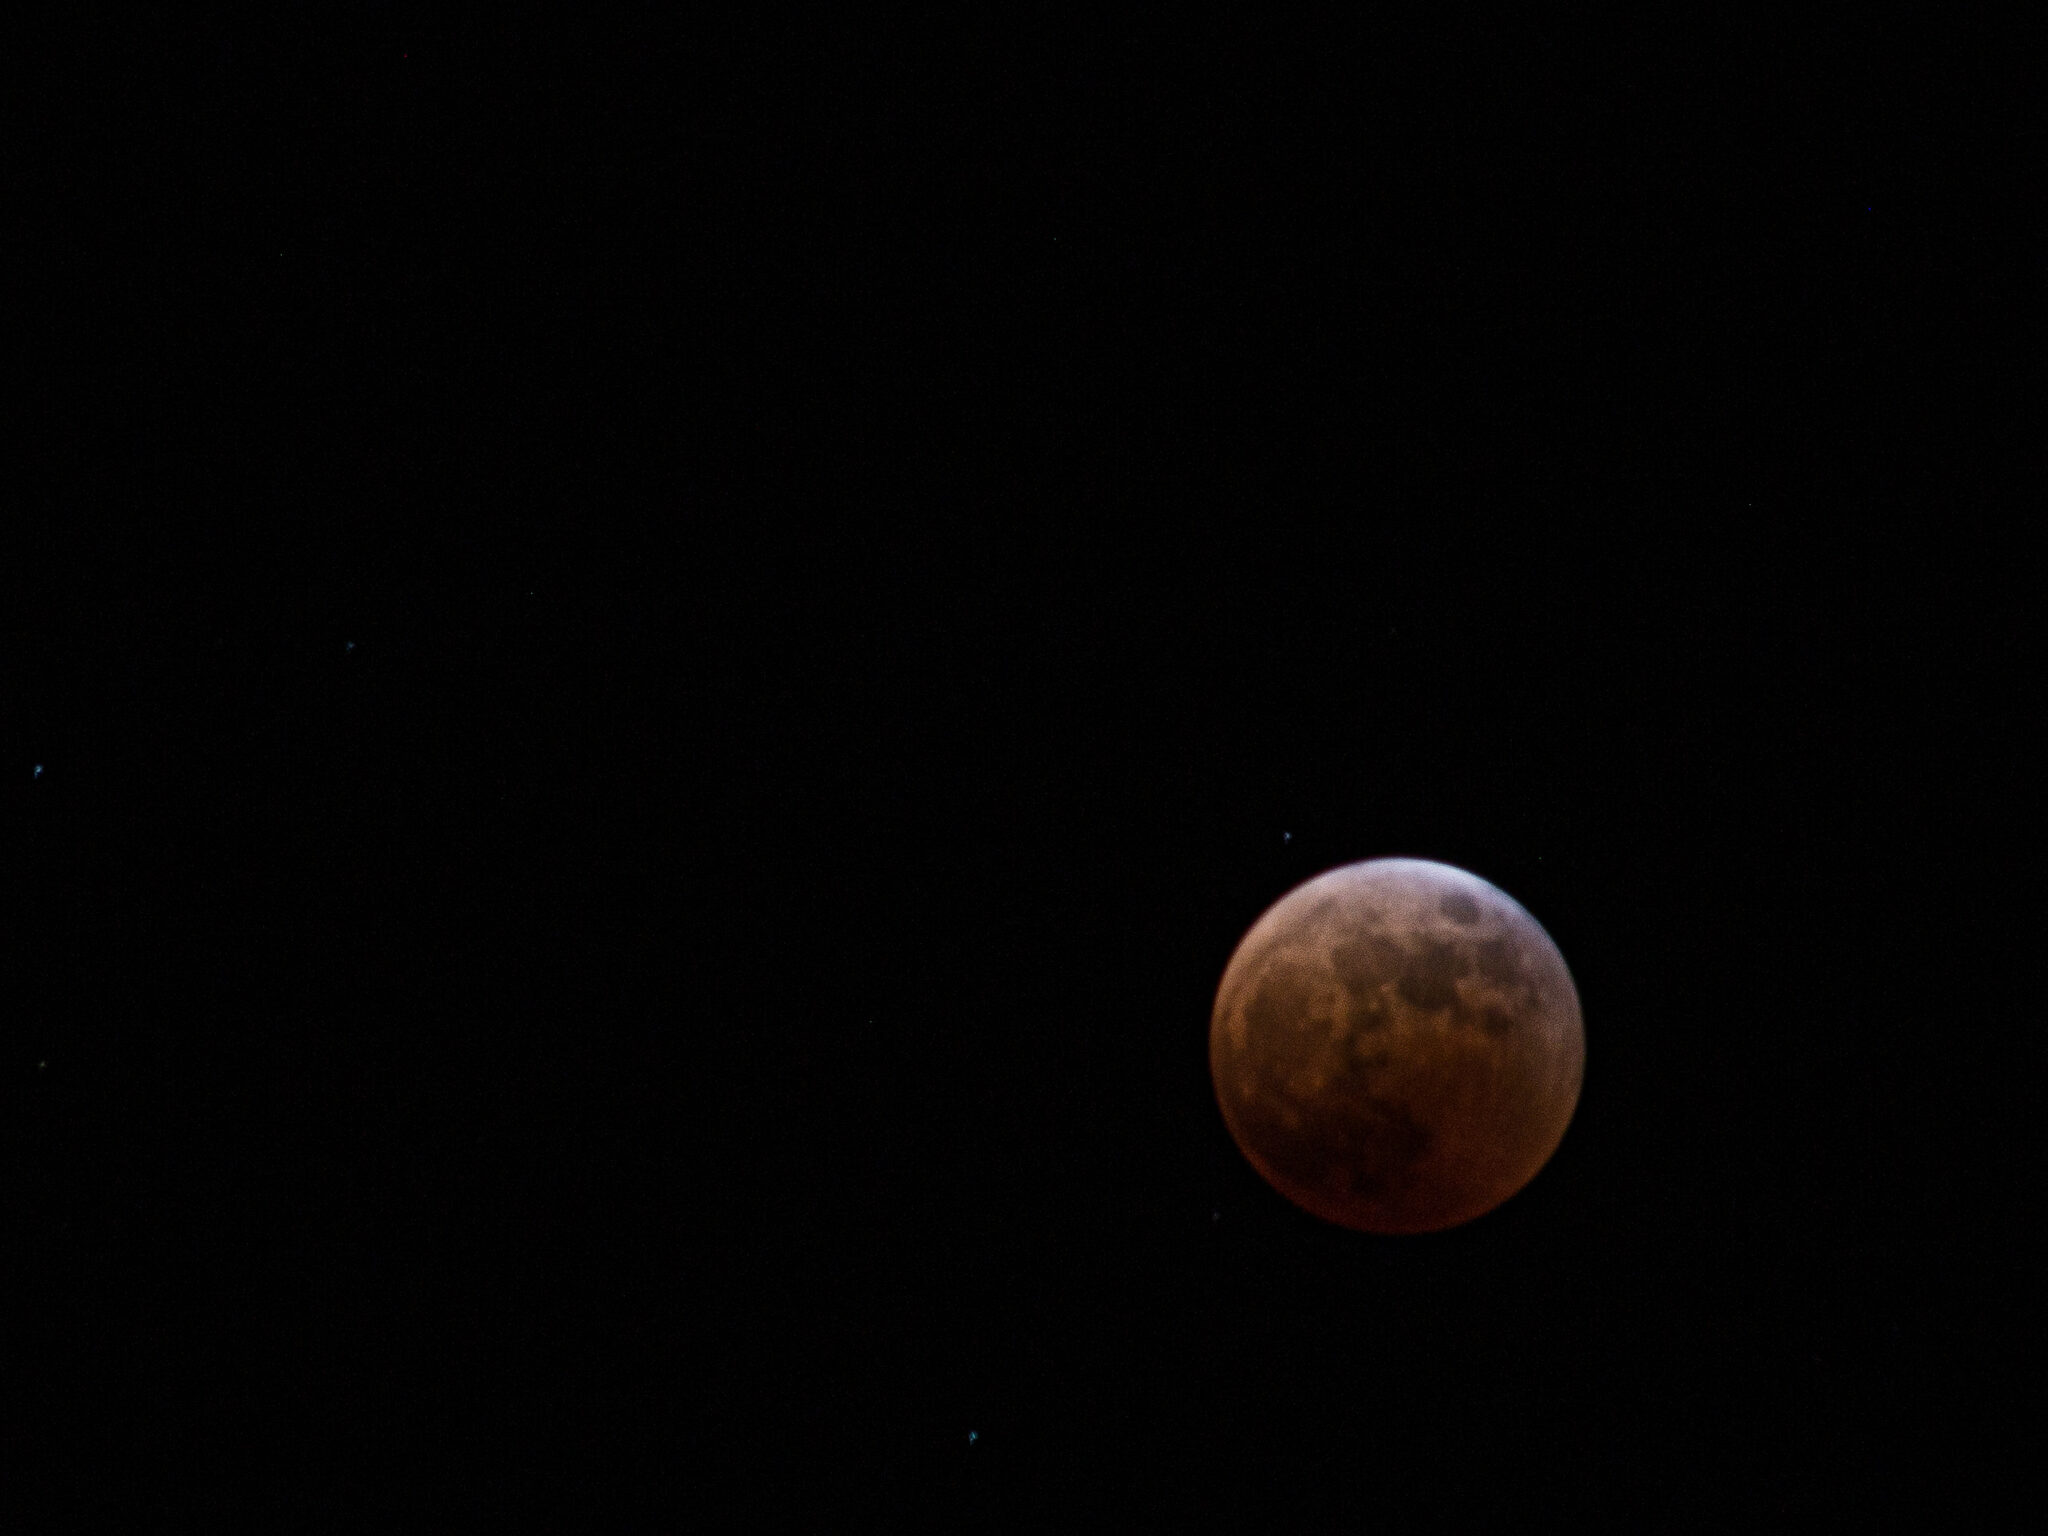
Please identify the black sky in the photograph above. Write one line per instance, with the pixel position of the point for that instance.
(664, 668)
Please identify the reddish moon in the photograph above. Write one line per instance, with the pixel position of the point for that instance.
(1396, 1046)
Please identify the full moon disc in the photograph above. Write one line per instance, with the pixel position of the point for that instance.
(1396, 1046)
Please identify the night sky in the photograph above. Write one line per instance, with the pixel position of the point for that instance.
(647, 677)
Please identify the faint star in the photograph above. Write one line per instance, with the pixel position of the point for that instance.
(1286, 837)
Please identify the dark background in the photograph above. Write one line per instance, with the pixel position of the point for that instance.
(664, 668)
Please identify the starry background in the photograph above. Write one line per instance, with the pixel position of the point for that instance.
(647, 678)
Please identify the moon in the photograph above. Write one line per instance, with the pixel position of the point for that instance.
(1396, 1046)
